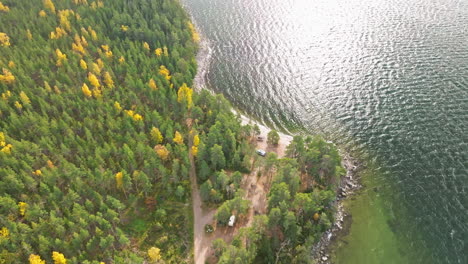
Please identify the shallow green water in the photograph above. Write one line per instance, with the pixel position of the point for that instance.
(385, 79)
(373, 236)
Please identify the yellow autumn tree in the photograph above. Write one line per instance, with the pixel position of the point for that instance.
(11, 64)
(97, 93)
(316, 216)
(47, 87)
(137, 117)
(63, 19)
(165, 72)
(178, 138)
(24, 98)
(37, 172)
(2, 139)
(77, 47)
(195, 35)
(96, 69)
(18, 105)
(35, 259)
(108, 80)
(86, 91)
(4, 40)
(22, 208)
(117, 106)
(154, 254)
(124, 28)
(107, 51)
(61, 58)
(4, 8)
(146, 46)
(58, 258)
(50, 164)
(194, 151)
(7, 77)
(57, 90)
(42, 13)
(83, 65)
(6, 95)
(80, 2)
(119, 179)
(93, 80)
(93, 34)
(130, 113)
(4, 232)
(48, 4)
(196, 140)
(133, 115)
(121, 59)
(162, 152)
(185, 95)
(156, 135)
(7, 149)
(84, 42)
(58, 33)
(152, 84)
(29, 34)
(158, 52)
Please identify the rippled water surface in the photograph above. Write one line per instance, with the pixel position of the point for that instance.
(388, 78)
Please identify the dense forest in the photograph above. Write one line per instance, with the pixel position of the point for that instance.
(93, 133)
(98, 124)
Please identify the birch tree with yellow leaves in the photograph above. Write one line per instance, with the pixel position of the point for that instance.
(93, 80)
(58, 258)
(48, 4)
(36, 259)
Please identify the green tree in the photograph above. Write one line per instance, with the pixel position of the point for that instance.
(273, 138)
(205, 190)
(218, 161)
(222, 214)
(278, 193)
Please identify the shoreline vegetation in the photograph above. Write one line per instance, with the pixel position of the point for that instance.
(103, 143)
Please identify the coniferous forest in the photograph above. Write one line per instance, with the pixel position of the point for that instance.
(97, 124)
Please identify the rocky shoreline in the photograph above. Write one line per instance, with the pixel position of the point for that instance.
(348, 186)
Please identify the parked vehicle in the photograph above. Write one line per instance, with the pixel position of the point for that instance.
(232, 220)
(261, 152)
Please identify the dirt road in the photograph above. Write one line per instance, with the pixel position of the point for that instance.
(201, 217)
